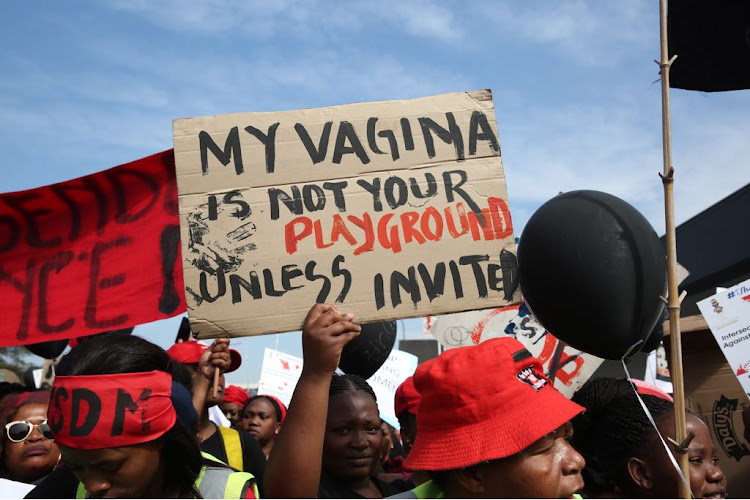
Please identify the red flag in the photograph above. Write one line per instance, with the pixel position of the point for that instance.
(96, 253)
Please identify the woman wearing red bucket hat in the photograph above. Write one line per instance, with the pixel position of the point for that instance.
(492, 425)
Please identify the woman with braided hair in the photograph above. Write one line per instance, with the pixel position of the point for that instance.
(631, 455)
(352, 442)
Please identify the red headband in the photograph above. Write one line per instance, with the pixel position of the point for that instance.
(108, 411)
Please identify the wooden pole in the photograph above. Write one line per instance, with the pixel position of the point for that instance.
(673, 300)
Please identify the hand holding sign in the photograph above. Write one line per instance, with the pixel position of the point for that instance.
(325, 333)
(214, 360)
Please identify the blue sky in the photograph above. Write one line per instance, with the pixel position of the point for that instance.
(88, 85)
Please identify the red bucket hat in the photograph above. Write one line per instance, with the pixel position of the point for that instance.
(481, 403)
(406, 398)
(191, 351)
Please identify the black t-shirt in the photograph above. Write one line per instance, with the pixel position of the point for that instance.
(330, 488)
(60, 483)
(253, 458)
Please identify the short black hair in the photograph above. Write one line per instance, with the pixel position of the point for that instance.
(350, 382)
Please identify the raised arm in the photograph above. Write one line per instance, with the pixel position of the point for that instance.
(293, 469)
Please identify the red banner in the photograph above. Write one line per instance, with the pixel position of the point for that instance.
(97, 253)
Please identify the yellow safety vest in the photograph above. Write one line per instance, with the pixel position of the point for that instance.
(232, 446)
(212, 482)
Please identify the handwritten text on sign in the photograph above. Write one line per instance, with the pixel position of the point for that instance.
(92, 254)
(391, 209)
(569, 368)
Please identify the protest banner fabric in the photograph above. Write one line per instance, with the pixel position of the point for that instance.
(398, 367)
(728, 316)
(279, 375)
(92, 254)
(389, 209)
(569, 368)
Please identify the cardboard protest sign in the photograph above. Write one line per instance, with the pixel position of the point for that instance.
(398, 367)
(279, 375)
(728, 316)
(92, 254)
(569, 368)
(389, 209)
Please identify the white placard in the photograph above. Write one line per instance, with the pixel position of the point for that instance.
(728, 316)
(398, 367)
(279, 375)
(570, 368)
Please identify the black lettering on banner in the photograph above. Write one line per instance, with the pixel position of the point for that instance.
(13, 233)
(243, 208)
(431, 186)
(450, 136)
(346, 132)
(434, 286)
(509, 265)
(237, 283)
(115, 177)
(58, 394)
(269, 142)
(220, 282)
(319, 154)
(27, 289)
(293, 203)
(125, 402)
(403, 191)
(320, 197)
(338, 271)
(88, 185)
(494, 277)
(288, 273)
(374, 189)
(169, 245)
(408, 138)
(94, 404)
(410, 286)
(458, 287)
(96, 283)
(325, 289)
(473, 261)
(451, 188)
(33, 235)
(56, 263)
(479, 120)
(379, 292)
(268, 285)
(338, 193)
(387, 134)
(231, 150)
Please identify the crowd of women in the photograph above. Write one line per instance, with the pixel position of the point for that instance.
(125, 419)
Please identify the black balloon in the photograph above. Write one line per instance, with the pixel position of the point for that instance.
(592, 269)
(366, 353)
(48, 350)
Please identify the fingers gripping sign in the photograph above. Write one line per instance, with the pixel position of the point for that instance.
(214, 361)
(325, 333)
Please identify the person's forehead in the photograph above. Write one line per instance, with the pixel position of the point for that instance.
(30, 411)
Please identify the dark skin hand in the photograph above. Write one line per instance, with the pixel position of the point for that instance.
(214, 358)
(298, 450)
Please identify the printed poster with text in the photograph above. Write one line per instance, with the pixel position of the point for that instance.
(390, 209)
(728, 316)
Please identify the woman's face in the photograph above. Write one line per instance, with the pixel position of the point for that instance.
(232, 412)
(353, 436)
(35, 456)
(259, 419)
(706, 478)
(126, 472)
(548, 468)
